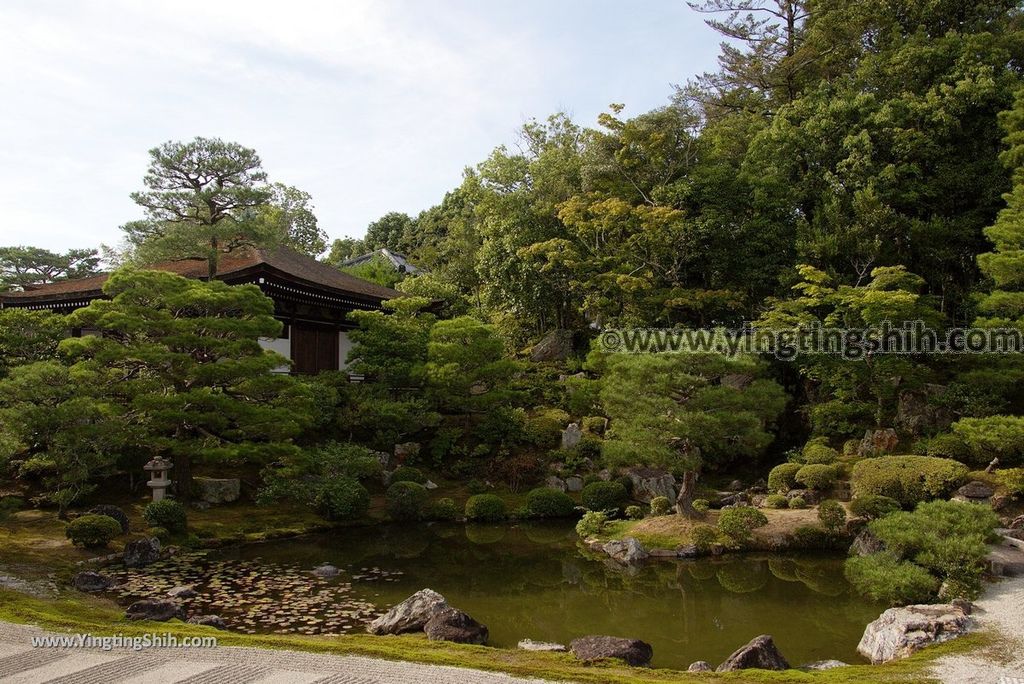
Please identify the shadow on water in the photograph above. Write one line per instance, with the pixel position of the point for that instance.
(534, 581)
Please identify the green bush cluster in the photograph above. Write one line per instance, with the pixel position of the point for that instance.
(782, 477)
(406, 500)
(776, 501)
(873, 506)
(344, 459)
(408, 474)
(818, 451)
(798, 502)
(884, 577)
(594, 425)
(591, 524)
(907, 479)
(92, 531)
(443, 509)
(740, 522)
(1012, 479)
(1001, 436)
(545, 502)
(832, 515)
(703, 537)
(701, 505)
(817, 476)
(947, 446)
(660, 505)
(544, 427)
(603, 496)
(166, 513)
(634, 512)
(342, 499)
(485, 508)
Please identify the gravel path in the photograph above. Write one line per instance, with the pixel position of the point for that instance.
(1000, 610)
(21, 663)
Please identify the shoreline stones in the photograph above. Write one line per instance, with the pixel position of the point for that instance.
(90, 581)
(549, 646)
(215, 621)
(182, 592)
(159, 610)
(760, 653)
(700, 666)
(451, 624)
(635, 652)
(140, 552)
(411, 615)
(900, 632)
(628, 551)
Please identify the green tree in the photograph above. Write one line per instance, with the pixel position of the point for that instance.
(24, 266)
(27, 336)
(391, 231)
(467, 369)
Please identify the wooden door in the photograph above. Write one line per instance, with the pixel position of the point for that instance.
(314, 348)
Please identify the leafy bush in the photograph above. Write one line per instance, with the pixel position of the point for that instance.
(1001, 436)
(161, 533)
(476, 487)
(815, 538)
(342, 499)
(634, 512)
(603, 496)
(907, 479)
(873, 506)
(701, 505)
(591, 524)
(883, 577)
(166, 513)
(704, 536)
(798, 502)
(443, 509)
(947, 446)
(589, 447)
(544, 428)
(660, 505)
(782, 477)
(840, 418)
(545, 502)
(405, 500)
(408, 474)
(594, 424)
(114, 512)
(817, 476)
(92, 531)
(776, 501)
(818, 451)
(485, 508)
(1012, 479)
(739, 523)
(832, 515)
(10, 504)
(344, 459)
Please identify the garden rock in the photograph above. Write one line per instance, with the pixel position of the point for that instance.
(531, 645)
(878, 442)
(182, 592)
(760, 653)
(699, 666)
(918, 412)
(571, 436)
(406, 450)
(574, 484)
(899, 632)
(555, 482)
(1005, 561)
(91, 581)
(649, 483)
(633, 651)
(213, 490)
(866, 544)
(975, 491)
(159, 610)
(809, 496)
(430, 485)
(410, 615)
(823, 665)
(735, 486)
(555, 346)
(326, 570)
(736, 499)
(208, 621)
(1017, 523)
(112, 512)
(451, 624)
(383, 457)
(627, 550)
(140, 552)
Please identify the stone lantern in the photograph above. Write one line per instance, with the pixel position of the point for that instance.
(158, 479)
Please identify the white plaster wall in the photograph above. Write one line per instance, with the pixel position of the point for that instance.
(344, 344)
(282, 346)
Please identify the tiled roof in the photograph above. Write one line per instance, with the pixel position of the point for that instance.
(399, 261)
(283, 259)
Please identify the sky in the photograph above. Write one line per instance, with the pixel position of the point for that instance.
(370, 106)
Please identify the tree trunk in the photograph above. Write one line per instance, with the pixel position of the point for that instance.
(687, 491)
(182, 476)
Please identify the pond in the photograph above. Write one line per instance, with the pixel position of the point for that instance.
(528, 581)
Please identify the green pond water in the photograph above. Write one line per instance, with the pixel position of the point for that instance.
(534, 581)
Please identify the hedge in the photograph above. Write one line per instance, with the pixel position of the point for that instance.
(907, 479)
(545, 502)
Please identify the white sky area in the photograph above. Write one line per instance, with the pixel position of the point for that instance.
(371, 106)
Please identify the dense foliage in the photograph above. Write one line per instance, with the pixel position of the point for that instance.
(907, 479)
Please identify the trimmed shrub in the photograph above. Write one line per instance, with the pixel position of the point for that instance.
(782, 477)
(342, 499)
(701, 505)
(92, 531)
(545, 502)
(840, 418)
(815, 538)
(476, 487)
(591, 524)
(818, 451)
(166, 513)
(907, 479)
(832, 515)
(603, 496)
(660, 505)
(1012, 479)
(1001, 436)
(408, 474)
(704, 536)
(798, 502)
(544, 428)
(594, 425)
(740, 522)
(883, 577)
(817, 476)
(114, 512)
(948, 446)
(343, 459)
(406, 500)
(776, 501)
(873, 506)
(443, 509)
(485, 508)
(160, 533)
(634, 512)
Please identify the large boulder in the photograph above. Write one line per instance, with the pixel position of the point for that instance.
(183, 591)
(91, 581)
(627, 550)
(215, 490)
(918, 412)
(760, 653)
(112, 512)
(633, 651)
(899, 632)
(865, 544)
(976, 490)
(571, 436)
(326, 570)
(574, 484)
(159, 610)
(549, 646)
(410, 615)
(649, 483)
(878, 442)
(208, 621)
(140, 552)
(556, 483)
(451, 624)
(699, 666)
(406, 451)
(555, 346)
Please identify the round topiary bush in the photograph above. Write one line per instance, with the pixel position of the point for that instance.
(634, 512)
(408, 474)
(342, 499)
(603, 496)
(798, 502)
(591, 524)
(114, 512)
(782, 477)
(818, 451)
(776, 501)
(660, 505)
(160, 533)
(405, 500)
(817, 476)
(443, 509)
(701, 505)
(832, 515)
(738, 523)
(873, 506)
(545, 502)
(908, 479)
(485, 508)
(92, 531)
(703, 536)
(166, 513)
